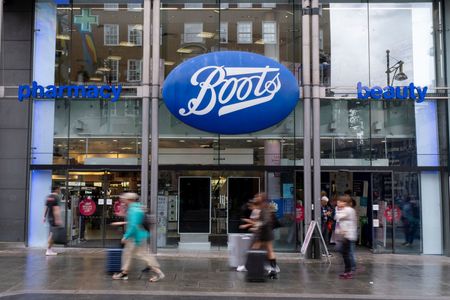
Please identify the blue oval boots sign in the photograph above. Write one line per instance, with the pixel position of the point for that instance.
(230, 92)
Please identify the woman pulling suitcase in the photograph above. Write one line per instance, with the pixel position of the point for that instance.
(262, 226)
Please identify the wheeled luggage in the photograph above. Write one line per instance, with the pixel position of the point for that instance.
(113, 260)
(59, 235)
(256, 260)
(238, 245)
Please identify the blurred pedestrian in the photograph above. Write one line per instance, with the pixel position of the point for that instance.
(408, 219)
(52, 215)
(263, 229)
(325, 213)
(135, 239)
(346, 231)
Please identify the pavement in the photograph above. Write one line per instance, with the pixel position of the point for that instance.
(80, 274)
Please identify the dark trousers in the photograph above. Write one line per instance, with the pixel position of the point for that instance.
(346, 255)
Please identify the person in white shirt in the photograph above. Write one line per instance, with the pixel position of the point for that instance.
(346, 230)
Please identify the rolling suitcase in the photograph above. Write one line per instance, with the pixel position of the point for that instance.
(113, 260)
(256, 260)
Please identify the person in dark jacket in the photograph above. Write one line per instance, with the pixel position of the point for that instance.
(263, 229)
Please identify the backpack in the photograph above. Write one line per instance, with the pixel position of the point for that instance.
(148, 221)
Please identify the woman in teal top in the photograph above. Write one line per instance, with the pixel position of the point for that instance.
(135, 238)
(135, 218)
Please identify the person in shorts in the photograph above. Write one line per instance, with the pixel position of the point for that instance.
(52, 215)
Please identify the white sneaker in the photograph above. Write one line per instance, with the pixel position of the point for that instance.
(241, 269)
(50, 252)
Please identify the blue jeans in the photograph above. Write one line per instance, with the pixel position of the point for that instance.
(346, 254)
(352, 255)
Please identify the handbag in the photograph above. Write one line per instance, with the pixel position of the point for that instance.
(59, 235)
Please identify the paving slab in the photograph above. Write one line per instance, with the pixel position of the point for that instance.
(80, 274)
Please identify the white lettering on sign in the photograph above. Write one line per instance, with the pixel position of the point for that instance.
(250, 91)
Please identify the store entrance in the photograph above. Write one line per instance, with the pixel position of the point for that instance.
(387, 207)
(94, 206)
(359, 186)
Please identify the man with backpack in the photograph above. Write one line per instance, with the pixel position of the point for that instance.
(135, 239)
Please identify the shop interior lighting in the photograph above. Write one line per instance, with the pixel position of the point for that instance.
(169, 8)
(114, 57)
(259, 42)
(127, 44)
(88, 173)
(169, 63)
(206, 35)
(137, 27)
(184, 51)
(104, 69)
(96, 79)
(64, 37)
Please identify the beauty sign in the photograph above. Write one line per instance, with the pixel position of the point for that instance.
(411, 92)
(87, 207)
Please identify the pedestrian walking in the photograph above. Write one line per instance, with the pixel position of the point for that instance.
(325, 213)
(263, 230)
(346, 231)
(52, 215)
(135, 239)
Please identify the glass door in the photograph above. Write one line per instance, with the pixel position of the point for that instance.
(383, 212)
(115, 184)
(95, 206)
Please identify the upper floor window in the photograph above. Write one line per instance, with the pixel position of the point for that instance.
(113, 74)
(134, 70)
(135, 35)
(269, 29)
(223, 32)
(137, 7)
(111, 34)
(192, 32)
(111, 6)
(224, 5)
(244, 32)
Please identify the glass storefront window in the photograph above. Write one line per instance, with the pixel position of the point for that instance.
(97, 132)
(96, 41)
(270, 30)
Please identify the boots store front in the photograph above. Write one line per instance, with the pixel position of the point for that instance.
(366, 79)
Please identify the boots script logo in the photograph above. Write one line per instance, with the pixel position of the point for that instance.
(230, 92)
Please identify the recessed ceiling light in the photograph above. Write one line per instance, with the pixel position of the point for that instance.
(64, 37)
(205, 35)
(114, 57)
(184, 51)
(127, 44)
